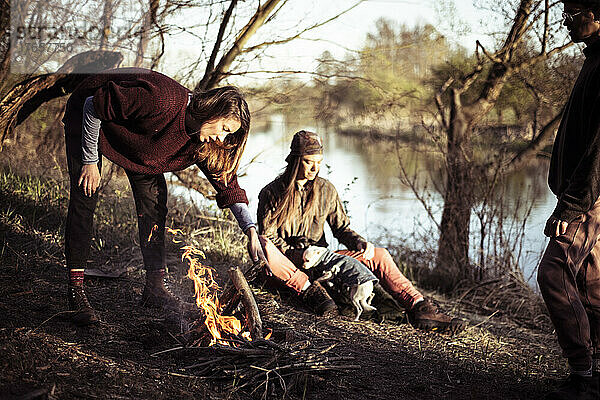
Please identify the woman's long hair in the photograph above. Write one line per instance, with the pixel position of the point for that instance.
(289, 198)
(222, 158)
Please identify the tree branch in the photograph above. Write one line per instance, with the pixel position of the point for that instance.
(246, 33)
(297, 35)
(26, 96)
(540, 57)
(535, 145)
(253, 320)
(192, 180)
(218, 41)
(439, 103)
(546, 26)
(149, 20)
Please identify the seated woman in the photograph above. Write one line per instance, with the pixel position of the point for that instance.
(292, 212)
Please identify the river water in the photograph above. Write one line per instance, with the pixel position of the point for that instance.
(380, 207)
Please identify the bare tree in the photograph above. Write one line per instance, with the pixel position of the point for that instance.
(150, 21)
(25, 97)
(459, 115)
(107, 17)
(150, 25)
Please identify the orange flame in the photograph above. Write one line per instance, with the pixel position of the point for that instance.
(205, 288)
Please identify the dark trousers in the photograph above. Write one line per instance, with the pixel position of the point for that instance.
(569, 279)
(150, 195)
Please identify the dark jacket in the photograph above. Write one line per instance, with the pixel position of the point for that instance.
(329, 210)
(143, 125)
(574, 175)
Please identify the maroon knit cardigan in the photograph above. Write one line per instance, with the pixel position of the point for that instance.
(143, 125)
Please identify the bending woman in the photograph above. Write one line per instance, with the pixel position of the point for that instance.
(148, 124)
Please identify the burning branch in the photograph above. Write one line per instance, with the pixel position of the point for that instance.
(205, 288)
(218, 321)
(230, 298)
(253, 320)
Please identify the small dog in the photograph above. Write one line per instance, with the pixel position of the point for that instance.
(351, 274)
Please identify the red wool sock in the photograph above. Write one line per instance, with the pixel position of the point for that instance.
(76, 276)
(156, 273)
(155, 276)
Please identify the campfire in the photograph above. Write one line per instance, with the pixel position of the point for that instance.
(238, 352)
(221, 328)
(205, 288)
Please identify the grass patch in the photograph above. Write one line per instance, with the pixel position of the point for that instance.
(35, 208)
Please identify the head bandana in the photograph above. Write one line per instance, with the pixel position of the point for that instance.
(306, 143)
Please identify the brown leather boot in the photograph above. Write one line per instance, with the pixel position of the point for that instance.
(157, 295)
(317, 298)
(576, 387)
(82, 313)
(425, 315)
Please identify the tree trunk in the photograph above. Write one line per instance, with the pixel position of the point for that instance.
(107, 17)
(453, 248)
(145, 31)
(26, 96)
(4, 41)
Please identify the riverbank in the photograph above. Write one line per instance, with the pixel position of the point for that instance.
(498, 356)
(512, 138)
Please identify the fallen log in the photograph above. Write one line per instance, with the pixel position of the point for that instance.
(253, 321)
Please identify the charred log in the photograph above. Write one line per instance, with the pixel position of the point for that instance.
(253, 321)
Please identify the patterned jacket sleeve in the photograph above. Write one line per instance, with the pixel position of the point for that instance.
(338, 220)
(266, 228)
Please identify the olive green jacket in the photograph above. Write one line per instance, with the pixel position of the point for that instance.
(330, 210)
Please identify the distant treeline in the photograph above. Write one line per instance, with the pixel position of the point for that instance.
(390, 84)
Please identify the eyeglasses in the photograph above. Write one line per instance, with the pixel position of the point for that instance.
(568, 17)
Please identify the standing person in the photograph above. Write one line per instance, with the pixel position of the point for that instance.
(292, 212)
(569, 272)
(148, 124)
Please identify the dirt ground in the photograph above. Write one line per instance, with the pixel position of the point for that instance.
(42, 355)
(40, 349)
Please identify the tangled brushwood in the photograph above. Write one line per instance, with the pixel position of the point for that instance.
(262, 368)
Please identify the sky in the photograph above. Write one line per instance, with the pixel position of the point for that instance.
(348, 32)
(340, 36)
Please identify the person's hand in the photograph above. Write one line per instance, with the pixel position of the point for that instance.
(254, 247)
(367, 249)
(555, 227)
(89, 180)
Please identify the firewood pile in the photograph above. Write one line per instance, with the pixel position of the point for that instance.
(261, 368)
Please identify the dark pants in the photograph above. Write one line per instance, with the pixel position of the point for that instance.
(569, 279)
(150, 195)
